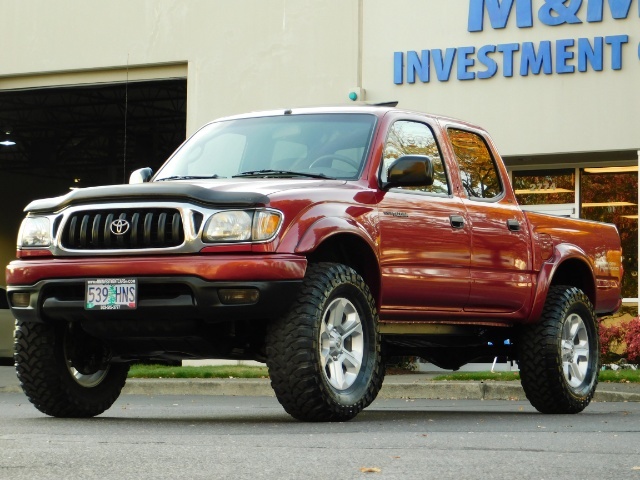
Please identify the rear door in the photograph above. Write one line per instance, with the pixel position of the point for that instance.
(501, 265)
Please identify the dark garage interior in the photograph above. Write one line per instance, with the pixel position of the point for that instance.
(94, 134)
(53, 139)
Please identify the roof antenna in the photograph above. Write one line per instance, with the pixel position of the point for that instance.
(126, 107)
(386, 104)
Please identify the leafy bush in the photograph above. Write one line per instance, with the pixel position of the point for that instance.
(632, 339)
(620, 341)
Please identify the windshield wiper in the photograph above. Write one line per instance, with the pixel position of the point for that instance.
(279, 173)
(188, 177)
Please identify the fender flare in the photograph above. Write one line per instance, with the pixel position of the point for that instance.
(326, 227)
(561, 254)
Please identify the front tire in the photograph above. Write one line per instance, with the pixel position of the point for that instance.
(64, 372)
(324, 356)
(560, 355)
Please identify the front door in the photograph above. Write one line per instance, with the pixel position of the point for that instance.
(424, 235)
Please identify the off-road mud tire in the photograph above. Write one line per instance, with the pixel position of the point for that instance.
(302, 384)
(44, 374)
(544, 371)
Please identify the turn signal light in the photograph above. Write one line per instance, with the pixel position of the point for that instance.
(20, 299)
(238, 296)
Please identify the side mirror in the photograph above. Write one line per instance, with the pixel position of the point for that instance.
(410, 171)
(142, 175)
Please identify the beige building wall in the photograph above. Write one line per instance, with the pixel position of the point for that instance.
(532, 115)
(242, 55)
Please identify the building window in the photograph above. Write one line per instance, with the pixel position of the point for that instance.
(547, 191)
(611, 195)
(545, 187)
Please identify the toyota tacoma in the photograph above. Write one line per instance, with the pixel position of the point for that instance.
(320, 241)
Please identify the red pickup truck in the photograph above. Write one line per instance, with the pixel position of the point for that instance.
(320, 241)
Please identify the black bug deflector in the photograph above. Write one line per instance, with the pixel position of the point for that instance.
(150, 191)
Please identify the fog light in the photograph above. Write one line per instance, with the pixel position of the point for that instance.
(20, 299)
(238, 296)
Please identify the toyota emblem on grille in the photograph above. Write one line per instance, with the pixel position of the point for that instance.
(119, 227)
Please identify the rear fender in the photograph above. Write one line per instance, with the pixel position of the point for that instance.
(569, 265)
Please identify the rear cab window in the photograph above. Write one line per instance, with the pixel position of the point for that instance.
(478, 170)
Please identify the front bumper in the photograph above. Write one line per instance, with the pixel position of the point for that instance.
(170, 289)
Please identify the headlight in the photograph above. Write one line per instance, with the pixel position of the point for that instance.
(241, 226)
(232, 226)
(34, 232)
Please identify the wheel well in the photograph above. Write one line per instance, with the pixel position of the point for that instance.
(576, 273)
(353, 251)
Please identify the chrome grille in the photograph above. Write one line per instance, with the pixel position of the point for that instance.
(145, 228)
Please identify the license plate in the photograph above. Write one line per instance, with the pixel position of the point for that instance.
(111, 294)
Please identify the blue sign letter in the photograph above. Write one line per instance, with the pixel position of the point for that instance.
(499, 11)
(537, 62)
(555, 12)
(592, 55)
(507, 50)
(418, 65)
(563, 55)
(444, 65)
(619, 9)
(616, 42)
(398, 64)
(485, 59)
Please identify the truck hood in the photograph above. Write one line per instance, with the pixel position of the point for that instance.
(224, 193)
(264, 186)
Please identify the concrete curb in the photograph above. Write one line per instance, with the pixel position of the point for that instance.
(11, 389)
(423, 390)
(251, 387)
(393, 389)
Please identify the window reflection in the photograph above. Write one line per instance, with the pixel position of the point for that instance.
(413, 138)
(477, 169)
(613, 198)
(545, 187)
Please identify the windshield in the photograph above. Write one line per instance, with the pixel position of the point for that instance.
(304, 146)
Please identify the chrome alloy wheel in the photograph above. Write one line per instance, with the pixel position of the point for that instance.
(575, 350)
(341, 344)
(87, 380)
(88, 376)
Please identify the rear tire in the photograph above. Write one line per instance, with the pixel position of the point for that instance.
(324, 356)
(560, 355)
(64, 372)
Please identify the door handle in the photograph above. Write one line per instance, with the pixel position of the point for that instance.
(513, 225)
(456, 221)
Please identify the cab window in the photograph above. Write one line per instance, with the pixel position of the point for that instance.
(478, 170)
(414, 138)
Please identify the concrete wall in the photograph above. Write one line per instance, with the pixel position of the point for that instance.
(526, 115)
(241, 54)
(258, 54)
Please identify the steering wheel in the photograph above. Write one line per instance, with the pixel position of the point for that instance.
(336, 156)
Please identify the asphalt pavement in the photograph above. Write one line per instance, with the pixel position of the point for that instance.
(253, 438)
(410, 386)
